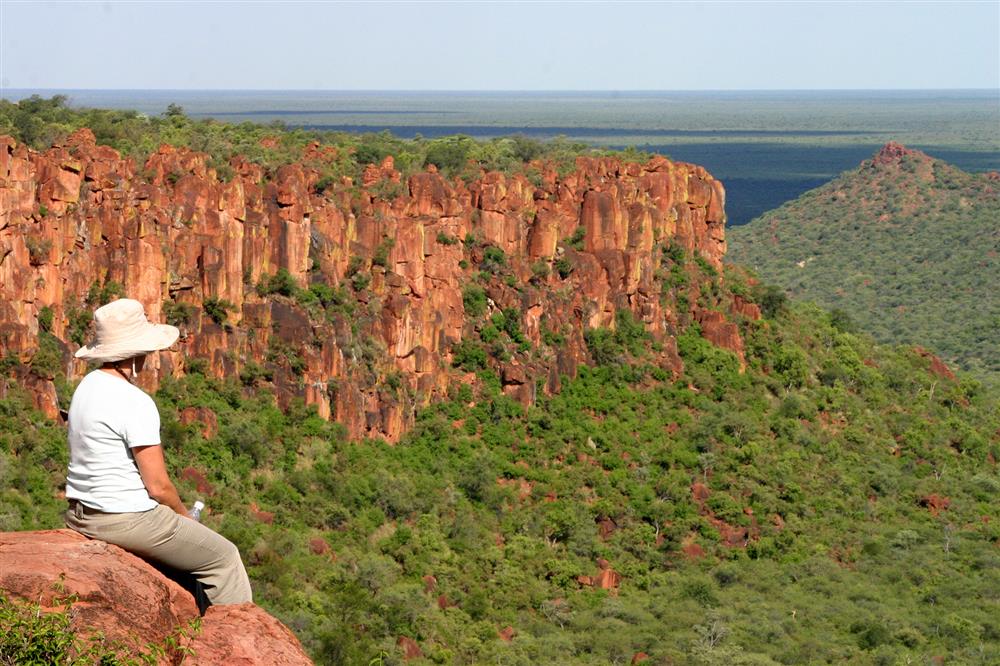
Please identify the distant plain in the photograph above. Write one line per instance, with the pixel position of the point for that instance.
(768, 147)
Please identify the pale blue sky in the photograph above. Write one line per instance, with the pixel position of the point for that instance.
(500, 45)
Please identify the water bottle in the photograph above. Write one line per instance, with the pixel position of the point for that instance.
(195, 512)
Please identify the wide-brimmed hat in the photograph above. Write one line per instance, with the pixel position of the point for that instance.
(123, 332)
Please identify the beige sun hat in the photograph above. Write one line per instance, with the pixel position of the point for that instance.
(123, 332)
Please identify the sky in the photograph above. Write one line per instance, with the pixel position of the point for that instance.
(243, 45)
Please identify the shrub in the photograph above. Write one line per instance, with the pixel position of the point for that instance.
(45, 317)
(450, 153)
(28, 635)
(469, 356)
(252, 373)
(494, 260)
(509, 321)
(608, 347)
(360, 281)
(196, 366)
(99, 294)
(870, 634)
(540, 270)
(47, 361)
(79, 323)
(381, 254)
(772, 299)
(279, 351)
(602, 346)
(526, 149)
(675, 252)
(217, 309)
(474, 300)
(281, 283)
(700, 590)
(178, 314)
(706, 268)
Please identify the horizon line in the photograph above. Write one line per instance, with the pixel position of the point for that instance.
(500, 90)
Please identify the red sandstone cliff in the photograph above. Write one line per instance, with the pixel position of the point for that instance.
(130, 602)
(169, 231)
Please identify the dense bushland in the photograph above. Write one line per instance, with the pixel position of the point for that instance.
(835, 455)
(907, 249)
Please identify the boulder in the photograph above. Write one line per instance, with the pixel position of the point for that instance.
(126, 599)
(244, 635)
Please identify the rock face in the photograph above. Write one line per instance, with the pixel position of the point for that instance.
(78, 218)
(244, 635)
(130, 601)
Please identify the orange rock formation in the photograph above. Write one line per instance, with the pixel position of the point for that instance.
(171, 232)
(129, 601)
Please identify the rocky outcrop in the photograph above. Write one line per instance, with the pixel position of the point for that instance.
(78, 219)
(119, 595)
(893, 152)
(937, 367)
(243, 635)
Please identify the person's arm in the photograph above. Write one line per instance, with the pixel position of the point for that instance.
(153, 470)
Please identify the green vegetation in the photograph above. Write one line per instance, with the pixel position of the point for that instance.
(29, 635)
(904, 249)
(178, 314)
(608, 347)
(281, 283)
(827, 451)
(833, 501)
(40, 122)
(576, 240)
(217, 309)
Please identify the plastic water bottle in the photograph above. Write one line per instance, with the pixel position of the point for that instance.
(195, 512)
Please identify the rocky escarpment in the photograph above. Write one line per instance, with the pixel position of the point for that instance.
(565, 252)
(114, 593)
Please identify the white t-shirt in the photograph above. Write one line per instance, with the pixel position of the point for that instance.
(109, 416)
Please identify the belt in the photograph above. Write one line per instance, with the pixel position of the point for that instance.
(79, 508)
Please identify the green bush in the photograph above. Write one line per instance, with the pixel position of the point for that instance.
(281, 283)
(494, 260)
(469, 356)
(563, 266)
(217, 309)
(29, 635)
(474, 300)
(47, 361)
(772, 299)
(381, 255)
(449, 154)
(45, 317)
(178, 314)
(102, 294)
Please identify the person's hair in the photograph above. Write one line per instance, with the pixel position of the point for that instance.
(126, 361)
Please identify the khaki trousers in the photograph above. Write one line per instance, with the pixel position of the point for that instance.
(164, 536)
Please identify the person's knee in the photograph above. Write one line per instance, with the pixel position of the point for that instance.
(231, 554)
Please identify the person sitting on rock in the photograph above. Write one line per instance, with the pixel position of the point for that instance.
(117, 485)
